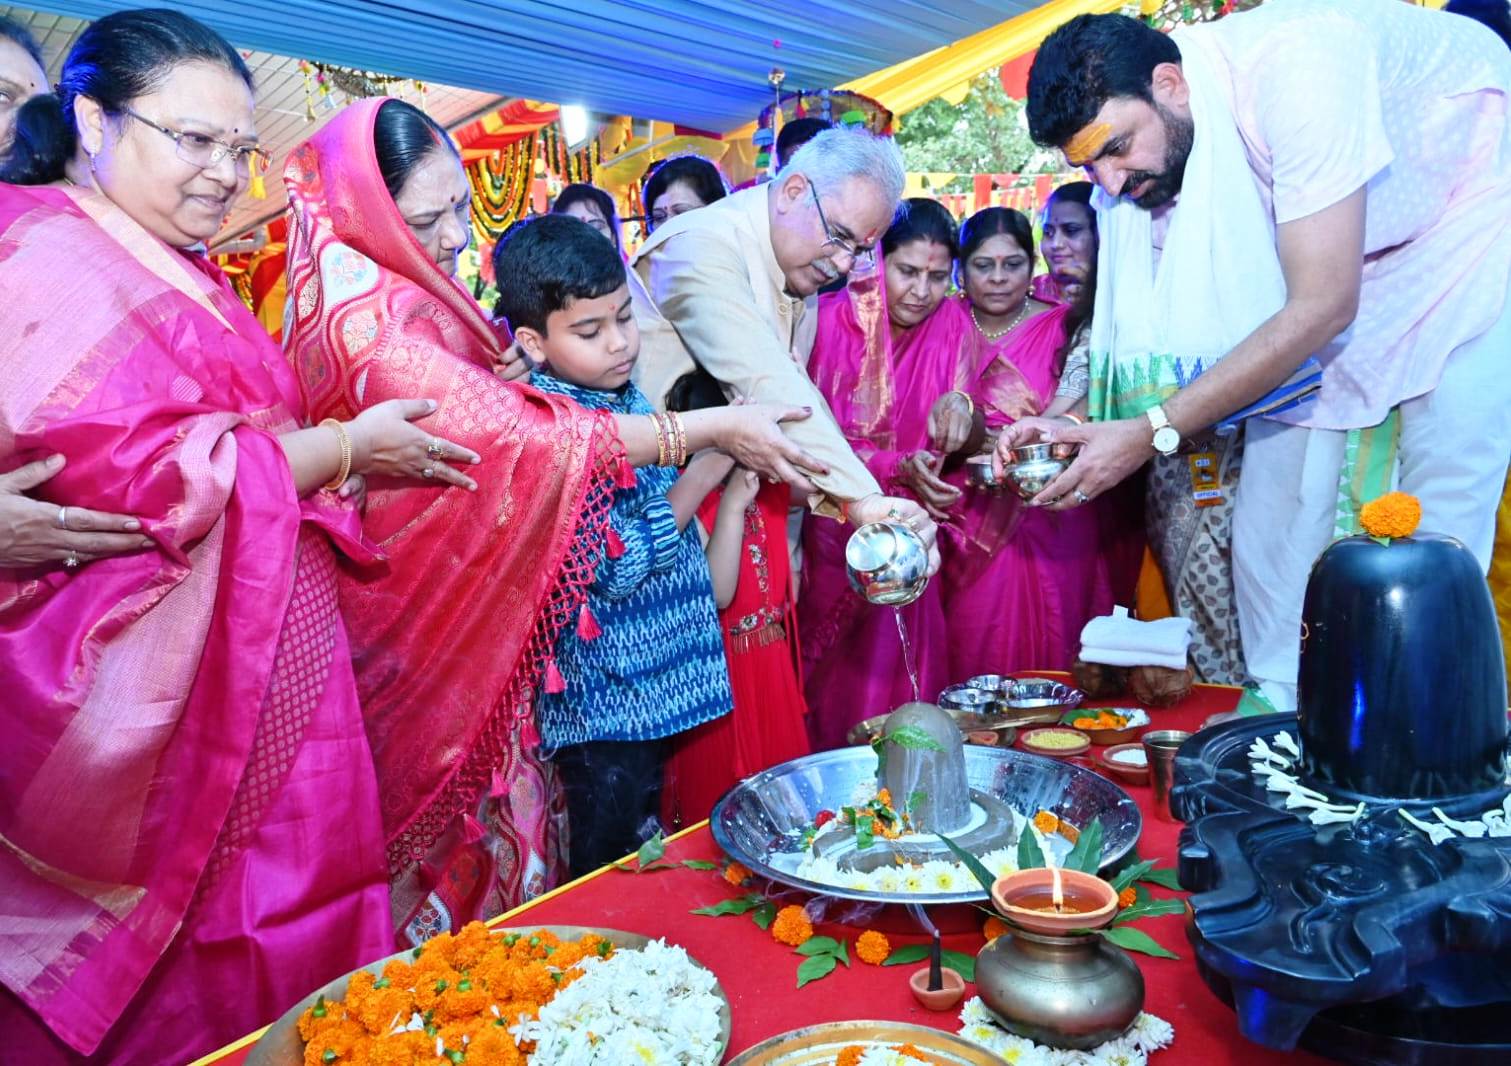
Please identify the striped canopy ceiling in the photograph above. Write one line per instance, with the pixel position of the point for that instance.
(700, 63)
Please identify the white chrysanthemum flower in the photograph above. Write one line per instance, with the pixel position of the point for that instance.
(947, 879)
(915, 882)
(887, 879)
(1152, 1033)
(1121, 1052)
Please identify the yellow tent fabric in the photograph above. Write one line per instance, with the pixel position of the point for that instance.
(1500, 569)
(915, 82)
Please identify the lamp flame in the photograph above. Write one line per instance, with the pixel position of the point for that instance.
(1057, 894)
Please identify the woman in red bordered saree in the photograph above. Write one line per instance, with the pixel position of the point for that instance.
(189, 827)
(452, 640)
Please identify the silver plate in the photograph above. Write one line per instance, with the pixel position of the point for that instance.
(764, 815)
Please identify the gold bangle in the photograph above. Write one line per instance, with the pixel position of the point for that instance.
(680, 459)
(346, 454)
(661, 441)
(1077, 420)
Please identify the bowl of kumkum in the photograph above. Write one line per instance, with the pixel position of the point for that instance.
(541, 996)
(1107, 725)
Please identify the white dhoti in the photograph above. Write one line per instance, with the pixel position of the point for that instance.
(1453, 451)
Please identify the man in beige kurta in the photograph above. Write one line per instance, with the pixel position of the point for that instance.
(732, 287)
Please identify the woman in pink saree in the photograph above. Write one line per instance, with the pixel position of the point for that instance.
(1019, 582)
(887, 348)
(188, 809)
(453, 640)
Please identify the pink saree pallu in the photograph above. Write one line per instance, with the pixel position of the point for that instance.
(452, 640)
(189, 829)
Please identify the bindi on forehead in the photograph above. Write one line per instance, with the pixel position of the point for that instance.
(1087, 144)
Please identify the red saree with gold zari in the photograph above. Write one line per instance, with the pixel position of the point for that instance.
(189, 828)
(450, 644)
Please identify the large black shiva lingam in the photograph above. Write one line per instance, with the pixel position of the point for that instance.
(1352, 864)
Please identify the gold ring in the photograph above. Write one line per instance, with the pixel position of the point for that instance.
(435, 449)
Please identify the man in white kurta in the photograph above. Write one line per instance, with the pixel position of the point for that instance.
(1376, 134)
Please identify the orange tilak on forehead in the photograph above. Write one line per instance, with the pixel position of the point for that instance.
(1084, 146)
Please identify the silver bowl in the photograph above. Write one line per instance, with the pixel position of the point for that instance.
(759, 822)
(978, 473)
(989, 682)
(1034, 692)
(887, 563)
(1031, 467)
(968, 698)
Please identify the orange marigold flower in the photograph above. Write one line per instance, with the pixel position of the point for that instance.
(1069, 832)
(1046, 822)
(908, 1051)
(1396, 514)
(884, 797)
(873, 947)
(792, 926)
(850, 1056)
(736, 873)
(1128, 897)
(993, 927)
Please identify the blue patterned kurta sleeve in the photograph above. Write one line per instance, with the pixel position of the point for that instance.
(651, 539)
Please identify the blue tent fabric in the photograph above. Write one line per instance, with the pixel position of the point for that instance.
(701, 64)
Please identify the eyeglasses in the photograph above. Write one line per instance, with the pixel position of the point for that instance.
(204, 152)
(864, 257)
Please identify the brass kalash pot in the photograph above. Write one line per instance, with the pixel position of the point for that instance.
(1056, 987)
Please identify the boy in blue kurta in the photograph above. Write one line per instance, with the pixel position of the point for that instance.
(656, 665)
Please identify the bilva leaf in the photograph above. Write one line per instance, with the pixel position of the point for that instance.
(973, 864)
(1130, 939)
(650, 851)
(764, 915)
(1131, 874)
(906, 954)
(818, 945)
(960, 962)
(700, 864)
(816, 967)
(743, 905)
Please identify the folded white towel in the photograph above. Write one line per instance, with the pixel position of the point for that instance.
(1119, 640)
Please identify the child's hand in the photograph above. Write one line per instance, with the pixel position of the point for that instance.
(710, 461)
(741, 489)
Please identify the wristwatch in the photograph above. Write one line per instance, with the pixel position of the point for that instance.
(1166, 439)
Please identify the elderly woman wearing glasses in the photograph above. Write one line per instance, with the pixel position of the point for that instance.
(733, 287)
(181, 718)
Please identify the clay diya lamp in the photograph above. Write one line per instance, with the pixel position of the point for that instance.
(934, 986)
(1053, 901)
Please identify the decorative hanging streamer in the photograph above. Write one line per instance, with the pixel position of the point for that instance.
(257, 189)
(501, 188)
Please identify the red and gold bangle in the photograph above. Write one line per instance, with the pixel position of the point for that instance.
(661, 446)
(681, 456)
(1074, 418)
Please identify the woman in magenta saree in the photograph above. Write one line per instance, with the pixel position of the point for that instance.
(188, 808)
(888, 346)
(1020, 582)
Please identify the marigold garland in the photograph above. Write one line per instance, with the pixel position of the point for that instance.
(1396, 514)
(792, 926)
(873, 947)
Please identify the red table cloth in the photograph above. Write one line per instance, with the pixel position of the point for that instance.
(759, 975)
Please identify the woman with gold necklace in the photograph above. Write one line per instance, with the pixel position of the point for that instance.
(1019, 583)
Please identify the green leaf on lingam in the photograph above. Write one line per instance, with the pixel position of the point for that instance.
(913, 738)
(865, 835)
(1131, 939)
(1086, 855)
(1030, 857)
(915, 798)
(816, 967)
(973, 864)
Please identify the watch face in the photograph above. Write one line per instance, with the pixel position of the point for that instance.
(1166, 440)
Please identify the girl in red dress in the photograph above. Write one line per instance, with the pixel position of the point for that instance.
(744, 525)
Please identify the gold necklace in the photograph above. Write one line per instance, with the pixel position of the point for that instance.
(1027, 299)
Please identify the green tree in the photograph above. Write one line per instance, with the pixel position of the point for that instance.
(984, 133)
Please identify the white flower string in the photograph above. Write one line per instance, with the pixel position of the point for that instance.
(1147, 1035)
(1278, 769)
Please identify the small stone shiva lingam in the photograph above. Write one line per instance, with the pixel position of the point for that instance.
(1352, 864)
(1050, 978)
(922, 767)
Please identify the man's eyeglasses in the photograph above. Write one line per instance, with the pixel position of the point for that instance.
(204, 152)
(864, 257)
